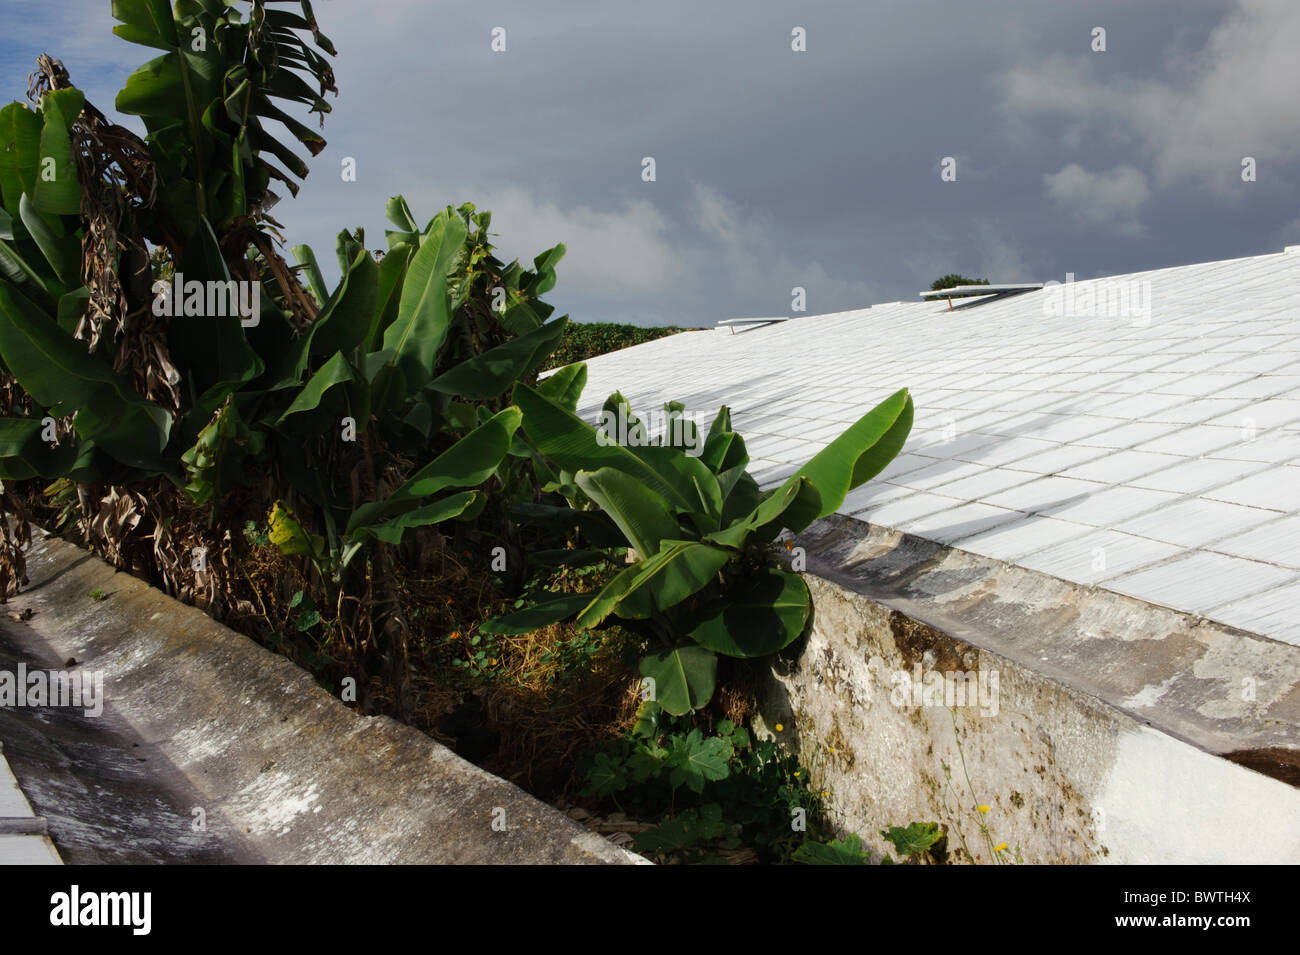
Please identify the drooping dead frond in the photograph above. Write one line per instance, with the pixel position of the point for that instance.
(13, 539)
(302, 307)
(117, 179)
(120, 513)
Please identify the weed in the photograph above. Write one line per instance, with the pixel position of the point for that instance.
(708, 794)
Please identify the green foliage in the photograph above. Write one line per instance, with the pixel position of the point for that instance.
(704, 580)
(575, 655)
(379, 361)
(63, 379)
(205, 101)
(196, 189)
(308, 616)
(912, 844)
(684, 676)
(847, 851)
(689, 829)
(255, 535)
(917, 839)
(482, 653)
(390, 344)
(583, 340)
(954, 280)
(707, 791)
(692, 760)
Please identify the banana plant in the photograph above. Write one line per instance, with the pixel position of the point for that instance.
(703, 581)
(358, 409)
(352, 417)
(397, 366)
(225, 72)
(407, 361)
(82, 201)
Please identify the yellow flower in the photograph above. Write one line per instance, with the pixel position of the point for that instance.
(796, 772)
(1000, 847)
(779, 727)
(982, 808)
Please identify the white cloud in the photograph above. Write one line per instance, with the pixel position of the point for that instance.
(626, 250)
(1234, 98)
(1244, 102)
(1108, 200)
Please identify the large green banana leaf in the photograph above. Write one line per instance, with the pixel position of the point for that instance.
(679, 570)
(23, 454)
(423, 314)
(565, 386)
(467, 463)
(59, 374)
(540, 614)
(391, 531)
(683, 481)
(684, 676)
(489, 373)
(20, 153)
(856, 456)
(643, 516)
(57, 191)
(758, 615)
(62, 252)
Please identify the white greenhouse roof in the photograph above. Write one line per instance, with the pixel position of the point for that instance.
(1154, 454)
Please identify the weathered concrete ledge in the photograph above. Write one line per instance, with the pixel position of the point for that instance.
(213, 749)
(24, 836)
(1097, 727)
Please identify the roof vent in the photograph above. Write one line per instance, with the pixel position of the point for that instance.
(985, 293)
(748, 323)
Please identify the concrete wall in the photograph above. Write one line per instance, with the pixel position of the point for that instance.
(198, 717)
(1098, 728)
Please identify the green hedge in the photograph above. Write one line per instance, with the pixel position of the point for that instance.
(582, 341)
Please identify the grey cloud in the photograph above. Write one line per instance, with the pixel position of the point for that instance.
(1107, 199)
(775, 168)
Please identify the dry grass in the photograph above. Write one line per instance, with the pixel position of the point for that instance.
(545, 705)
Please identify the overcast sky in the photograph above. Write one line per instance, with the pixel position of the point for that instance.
(819, 169)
